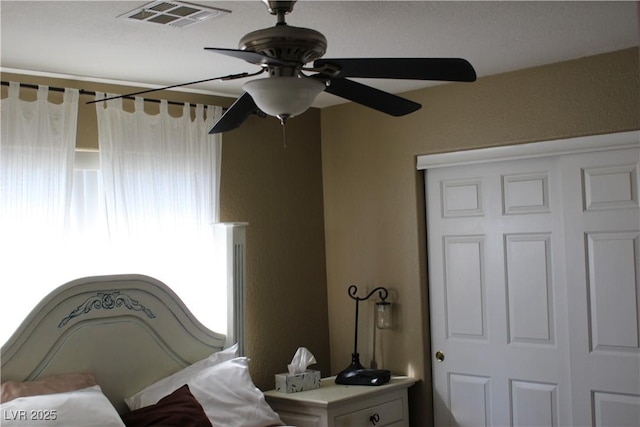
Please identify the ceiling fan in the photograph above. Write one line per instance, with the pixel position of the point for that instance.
(291, 87)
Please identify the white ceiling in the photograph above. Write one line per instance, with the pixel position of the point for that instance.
(85, 40)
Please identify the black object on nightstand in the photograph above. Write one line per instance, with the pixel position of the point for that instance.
(355, 373)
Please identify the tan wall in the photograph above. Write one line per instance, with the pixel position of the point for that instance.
(278, 191)
(373, 195)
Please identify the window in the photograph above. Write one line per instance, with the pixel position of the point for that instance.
(146, 203)
(189, 262)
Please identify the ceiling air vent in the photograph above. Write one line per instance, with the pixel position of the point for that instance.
(173, 13)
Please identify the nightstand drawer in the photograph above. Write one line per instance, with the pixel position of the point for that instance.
(385, 414)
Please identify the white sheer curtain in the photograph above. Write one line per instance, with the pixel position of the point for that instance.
(146, 205)
(161, 181)
(37, 146)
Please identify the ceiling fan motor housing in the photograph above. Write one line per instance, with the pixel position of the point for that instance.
(276, 7)
(286, 43)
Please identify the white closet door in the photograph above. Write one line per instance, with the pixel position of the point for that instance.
(534, 291)
(497, 293)
(602, 230)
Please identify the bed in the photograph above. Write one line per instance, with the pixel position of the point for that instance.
(127, 344)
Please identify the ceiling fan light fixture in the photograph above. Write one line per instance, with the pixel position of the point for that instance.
(284, 97)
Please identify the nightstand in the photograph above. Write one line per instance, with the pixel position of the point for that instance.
(334, 405)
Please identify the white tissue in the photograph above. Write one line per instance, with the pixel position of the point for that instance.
(301, 360)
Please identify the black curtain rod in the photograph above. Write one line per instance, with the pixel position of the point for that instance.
(92, 93)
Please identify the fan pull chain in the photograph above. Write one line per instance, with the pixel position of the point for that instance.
(284, 135)
(283, 121)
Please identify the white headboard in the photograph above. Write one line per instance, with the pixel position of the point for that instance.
(128, 330)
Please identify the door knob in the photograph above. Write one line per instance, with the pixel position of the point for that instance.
(439, 356)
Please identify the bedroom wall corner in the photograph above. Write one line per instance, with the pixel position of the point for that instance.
(275, 185)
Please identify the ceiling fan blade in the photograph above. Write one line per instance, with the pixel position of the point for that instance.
(247, 55)
(239, 111)
(370, 97)
(445, 69)
(130, 95)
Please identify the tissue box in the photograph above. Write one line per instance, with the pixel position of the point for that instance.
(291, 383)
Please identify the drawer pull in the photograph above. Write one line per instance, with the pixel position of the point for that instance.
(375, 419)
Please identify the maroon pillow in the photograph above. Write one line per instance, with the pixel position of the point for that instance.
(179, 409)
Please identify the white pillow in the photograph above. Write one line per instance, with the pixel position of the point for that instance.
(229, 397)
(156, 391)
(86, 407)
